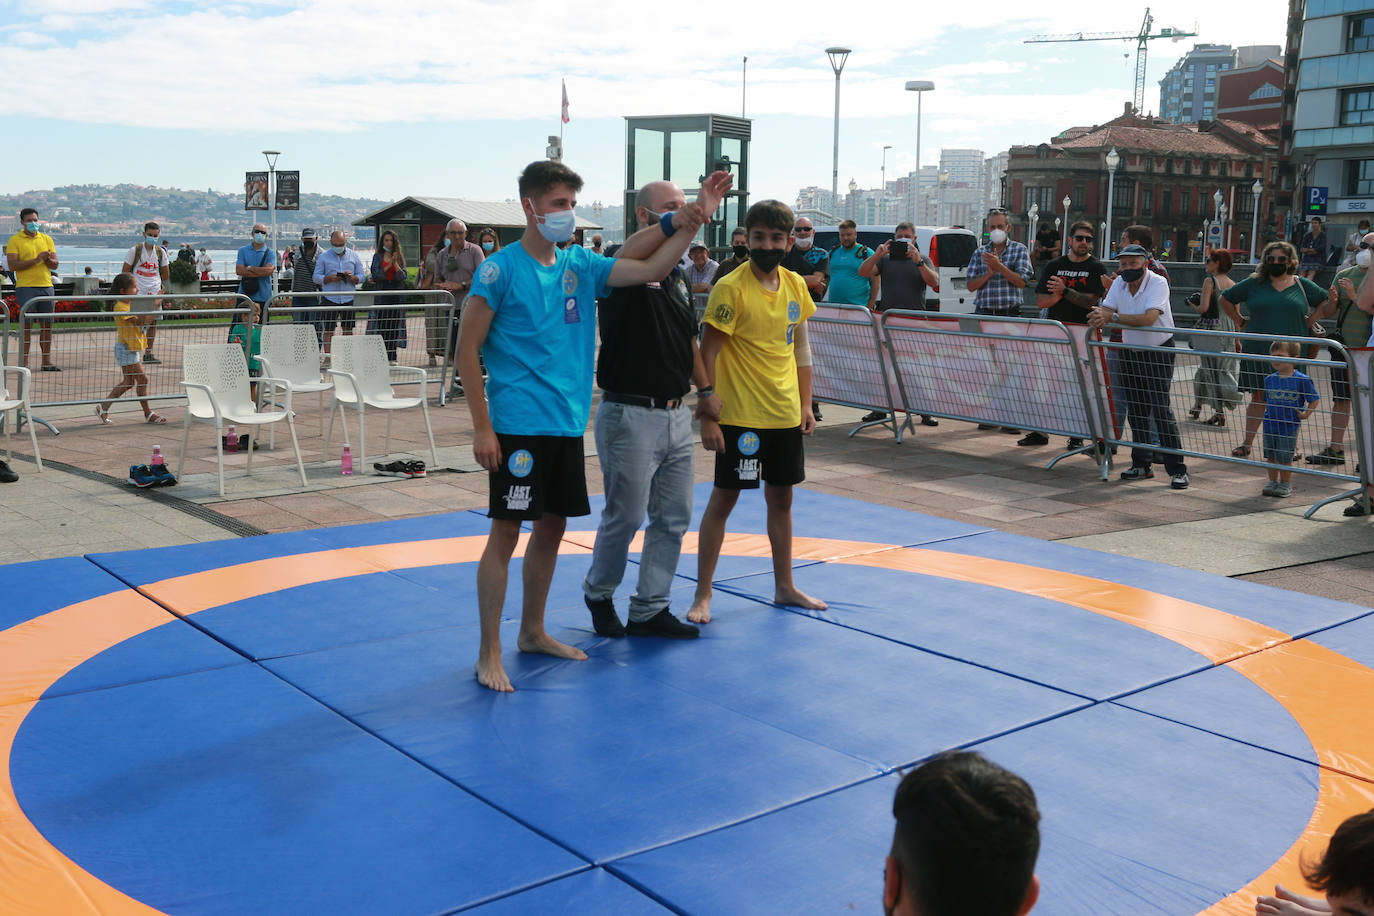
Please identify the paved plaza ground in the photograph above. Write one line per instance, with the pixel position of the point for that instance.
(81, 504)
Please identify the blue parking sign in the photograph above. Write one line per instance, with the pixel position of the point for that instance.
(1316, 201)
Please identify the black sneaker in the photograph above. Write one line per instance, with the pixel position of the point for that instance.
(928, 420)
(874, 416)
(1034, 438)
(1358, 509)
(1074, 443)
(816, 410)
(662, 624)
(400, 469)
(604, 618)
(1327, 455)
(1011, 430)
(7, 474)
(164, 477)
(141, 477)
(1137, 473)
(151, 360)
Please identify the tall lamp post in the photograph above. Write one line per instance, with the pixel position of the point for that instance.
(837, 58)
(1063, 246)
(883, 198)
(918, 87)
(1034, 214)
(1113, 160)
(271, 156)
(1222, 215)
(1255, 189)
(1216, 212)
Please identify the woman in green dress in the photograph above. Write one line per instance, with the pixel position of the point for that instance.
(1279, 302)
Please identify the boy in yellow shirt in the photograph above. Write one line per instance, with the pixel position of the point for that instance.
(130, 342)
(754, 348)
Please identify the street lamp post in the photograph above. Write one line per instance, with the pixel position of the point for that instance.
(271, 156)
(1063, 246)
(918, 87)
(1113, 160)
(1255, 189)
(883, 199)
(1221, 214)
(837, 58)
(1103, 246)
(1034, 214)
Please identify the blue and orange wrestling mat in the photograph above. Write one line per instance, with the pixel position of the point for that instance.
(290, 725)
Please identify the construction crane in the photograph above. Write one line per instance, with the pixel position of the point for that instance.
(1142, 38)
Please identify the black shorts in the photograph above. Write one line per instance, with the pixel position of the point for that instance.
(1340, 381)
(539, 474)
(775, 455)
(346, 318)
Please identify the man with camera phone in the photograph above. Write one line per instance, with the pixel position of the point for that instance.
(904, 274)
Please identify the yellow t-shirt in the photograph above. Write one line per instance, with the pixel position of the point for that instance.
(25, 248)
(131, 333)
(756, 371)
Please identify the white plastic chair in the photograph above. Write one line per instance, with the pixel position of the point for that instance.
(17, 404)
(362, 378)
(292, 352)
(216, 382)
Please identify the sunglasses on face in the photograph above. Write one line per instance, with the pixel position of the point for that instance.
(802, 230)
(1083, 238)
(997, 210)
(1278, 260)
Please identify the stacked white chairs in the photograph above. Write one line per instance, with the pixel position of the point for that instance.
(362, 379)
(292, 352)
(217, 391)
(17, 404)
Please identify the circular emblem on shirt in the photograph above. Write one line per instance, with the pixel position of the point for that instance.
(793, 311)
(521, 462)
(488, 272)
(723, 313)
(569, 283)
(749, 443)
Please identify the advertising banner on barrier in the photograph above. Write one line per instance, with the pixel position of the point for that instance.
(848, 366)
(1019, 373)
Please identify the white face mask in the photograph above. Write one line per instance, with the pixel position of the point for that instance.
(802, 242)
(1362, 258)
(997, 236)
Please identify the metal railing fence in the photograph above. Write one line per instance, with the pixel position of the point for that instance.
(849, 364)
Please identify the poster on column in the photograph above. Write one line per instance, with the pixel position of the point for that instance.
(255, 190)
(288, 190)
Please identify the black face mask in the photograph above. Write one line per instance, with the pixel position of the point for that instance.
(766, 259)
(1275, 270)
(1133, 274)
(741, 251)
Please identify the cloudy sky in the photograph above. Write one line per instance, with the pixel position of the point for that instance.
(371, 99)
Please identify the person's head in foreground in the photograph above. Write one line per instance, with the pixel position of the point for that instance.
(966, 841)
(1345, 873)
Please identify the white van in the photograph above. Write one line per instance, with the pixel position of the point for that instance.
(949, 249)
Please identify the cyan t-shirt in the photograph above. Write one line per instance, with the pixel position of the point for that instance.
(540, 349)
(845, 283)
(258, 257)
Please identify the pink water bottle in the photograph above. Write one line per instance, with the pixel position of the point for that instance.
(346, 461)
(157, 461)
(233, 443)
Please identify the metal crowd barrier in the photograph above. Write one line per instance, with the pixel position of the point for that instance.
(422, 324)
(1213, 361)
(83, 347)
(849, 365)
(1024, 373)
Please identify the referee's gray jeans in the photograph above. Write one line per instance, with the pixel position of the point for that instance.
(646, 464)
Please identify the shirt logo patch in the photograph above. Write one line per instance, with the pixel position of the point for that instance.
(748, 469)
(569, 283)
(488, 272)
(570, 313)
(723, 313)
(521, 463)
(793, 311)
(749, 443)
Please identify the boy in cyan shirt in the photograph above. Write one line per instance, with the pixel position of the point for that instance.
(754, 348)
(1289, 396)
(532, 317)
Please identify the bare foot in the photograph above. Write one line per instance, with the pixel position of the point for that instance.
(545, 644)
(492, 674)
(700, 611)
(795, 597)
(1288, 903)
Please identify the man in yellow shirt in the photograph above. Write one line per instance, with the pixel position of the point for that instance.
(33, 257)
(754, 348)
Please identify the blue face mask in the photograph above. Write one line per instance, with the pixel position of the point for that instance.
(557, 226)
(259, 237)
(150, 241)
(340, 249)
(31, 225)
(447, 241)
(488, 246)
